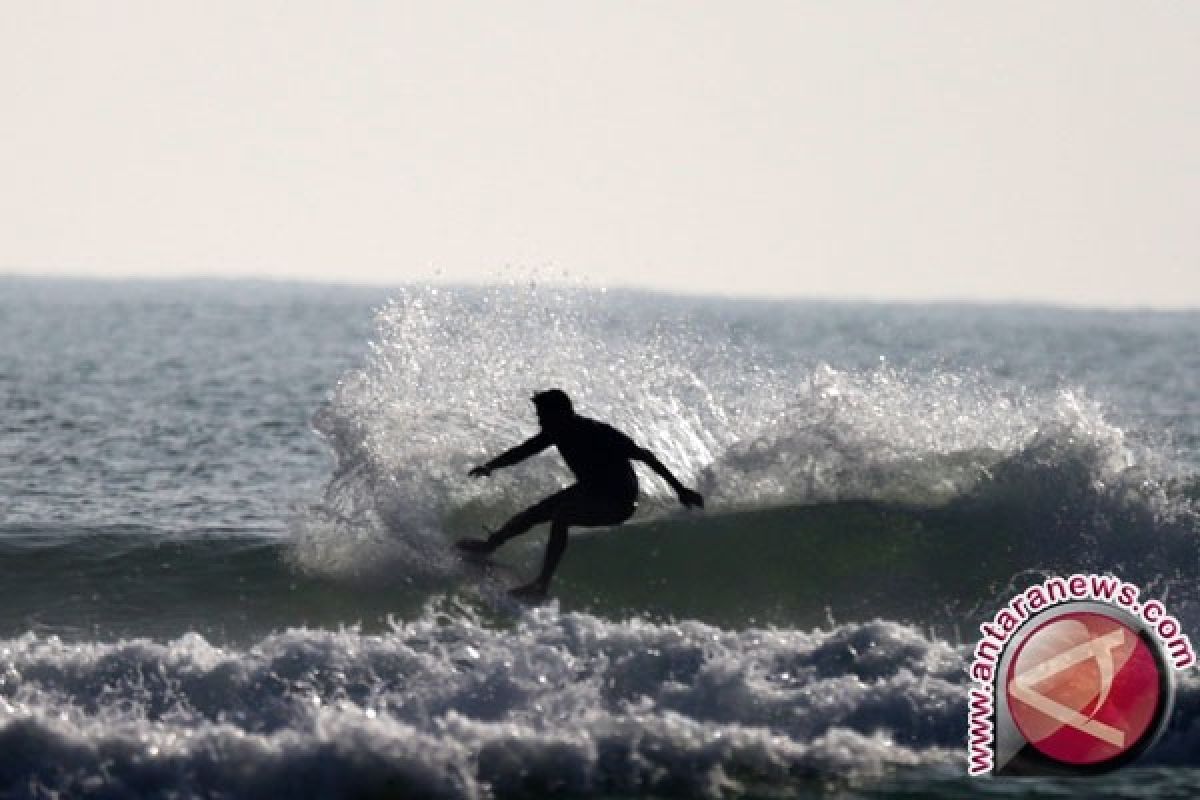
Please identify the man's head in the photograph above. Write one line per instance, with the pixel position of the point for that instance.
(553, 408)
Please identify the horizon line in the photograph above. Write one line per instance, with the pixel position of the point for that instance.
(582, 284)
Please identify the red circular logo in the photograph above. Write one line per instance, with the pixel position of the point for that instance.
(1083, 688)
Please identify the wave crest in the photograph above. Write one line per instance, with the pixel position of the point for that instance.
(445, 383)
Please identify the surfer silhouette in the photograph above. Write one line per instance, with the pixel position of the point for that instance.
(605, 492)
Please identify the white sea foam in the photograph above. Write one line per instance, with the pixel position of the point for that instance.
(448, 706)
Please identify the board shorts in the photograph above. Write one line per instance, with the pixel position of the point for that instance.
(586, 507)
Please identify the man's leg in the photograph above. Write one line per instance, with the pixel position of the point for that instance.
(521, 522)
(536, 514)
(580, 508)
(556, 545)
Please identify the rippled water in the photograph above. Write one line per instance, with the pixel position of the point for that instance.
(225, 512)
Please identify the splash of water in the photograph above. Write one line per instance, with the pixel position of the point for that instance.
(446, 379)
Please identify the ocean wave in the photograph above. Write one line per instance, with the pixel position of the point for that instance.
(946, 564)
(447, 705)
(1043, 473)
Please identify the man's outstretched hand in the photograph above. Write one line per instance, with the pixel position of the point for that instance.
(479, 472)
(690, 498)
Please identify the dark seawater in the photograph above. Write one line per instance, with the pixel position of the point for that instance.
(226, 508)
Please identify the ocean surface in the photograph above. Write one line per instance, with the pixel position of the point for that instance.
(226, 512)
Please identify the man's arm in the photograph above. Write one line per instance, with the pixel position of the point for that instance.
(516, 455)
(688, 497)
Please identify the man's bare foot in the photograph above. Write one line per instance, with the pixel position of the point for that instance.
(531, 592)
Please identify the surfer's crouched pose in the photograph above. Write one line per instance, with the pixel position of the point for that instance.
(606, 491)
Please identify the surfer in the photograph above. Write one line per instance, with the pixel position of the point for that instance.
(605, 493)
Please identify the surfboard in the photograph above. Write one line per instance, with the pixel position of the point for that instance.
(488, 568)
(491, 579)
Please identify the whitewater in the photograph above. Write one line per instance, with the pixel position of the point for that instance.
(227, 509)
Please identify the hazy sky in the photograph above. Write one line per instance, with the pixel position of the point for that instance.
(1005, 150)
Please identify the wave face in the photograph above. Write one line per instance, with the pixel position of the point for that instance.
(945, 567)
